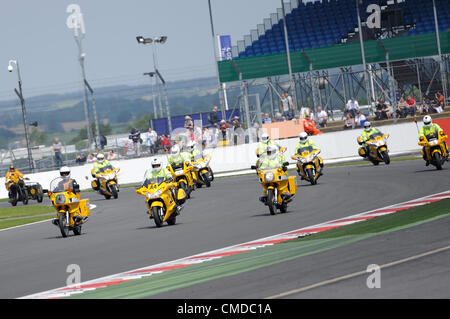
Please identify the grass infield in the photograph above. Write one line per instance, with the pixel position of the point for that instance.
(387, 222)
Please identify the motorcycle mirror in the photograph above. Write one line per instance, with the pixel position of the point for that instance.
(253, 167)
(45, 191)
(26, 178)
(285, 163)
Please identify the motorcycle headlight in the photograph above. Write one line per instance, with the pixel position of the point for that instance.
(154, 195)
(60, 199)
(179, 172)
(269, 176)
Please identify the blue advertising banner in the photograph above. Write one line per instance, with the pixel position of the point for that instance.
(225, 47)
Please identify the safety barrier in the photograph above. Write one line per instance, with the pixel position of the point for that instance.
(336, 145)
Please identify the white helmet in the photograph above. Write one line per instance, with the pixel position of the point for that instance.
(367, 126)
(265, 137)
(175, 150)
(64, 171)
(427, 120)
(303, 136)
(190, 145)
(100, 157)
(156, 164)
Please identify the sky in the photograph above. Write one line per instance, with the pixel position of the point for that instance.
(35, 33)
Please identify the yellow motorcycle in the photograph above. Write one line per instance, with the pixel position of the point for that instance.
(162, 198)
(201, 171)
(308, 164)
(108, 182)
(279, 187)
(435, 149)
(377, 146)
(71, 211)
(183, 177)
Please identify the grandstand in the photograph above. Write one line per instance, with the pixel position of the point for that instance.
(401, 53)
(324, 23)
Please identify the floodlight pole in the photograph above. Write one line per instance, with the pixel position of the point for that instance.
(441, 60)
(363, 55)
(75, 22)
(155, 66)
(219, 91)
(167, 100)
(94, 108)
(288, 54)
(151, 75)
(24, 115)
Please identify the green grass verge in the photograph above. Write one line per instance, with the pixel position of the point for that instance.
(17, 222)
(388, 222)
(24, 211)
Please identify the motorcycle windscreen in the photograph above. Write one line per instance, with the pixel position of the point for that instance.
(61, 184)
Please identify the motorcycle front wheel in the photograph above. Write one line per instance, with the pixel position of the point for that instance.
(437, 160)
(385, 157)
(158, 215)
(25, 197)
(206, 179)
(63, 227)
(270, 198)
(311, 175)
(114, 192)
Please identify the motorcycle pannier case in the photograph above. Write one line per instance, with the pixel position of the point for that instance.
(84, 207)
(292, 186)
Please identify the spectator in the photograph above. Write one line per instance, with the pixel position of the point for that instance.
(188, 124)
(360, 119)
(412, 106)
(112, 155)
(57, 148)
(81, 159)
(310, 127)
(103, 142)
(352, 106)
(150, 140)
(266, 118)
(223, 128)
(439, 99)
(287, 106)
(165, 143)
(321, 117)
(402, 108)
(381, 112)
(278, 117)
(213, 117)
(425, 107)
(206, 138)
(92, 158)
(237, 129)
(349, 122)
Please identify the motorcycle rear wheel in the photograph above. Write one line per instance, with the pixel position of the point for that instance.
(77, 230)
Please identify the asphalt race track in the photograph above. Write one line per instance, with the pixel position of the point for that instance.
(120, 237)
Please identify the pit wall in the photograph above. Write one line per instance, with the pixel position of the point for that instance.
(337, 145)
